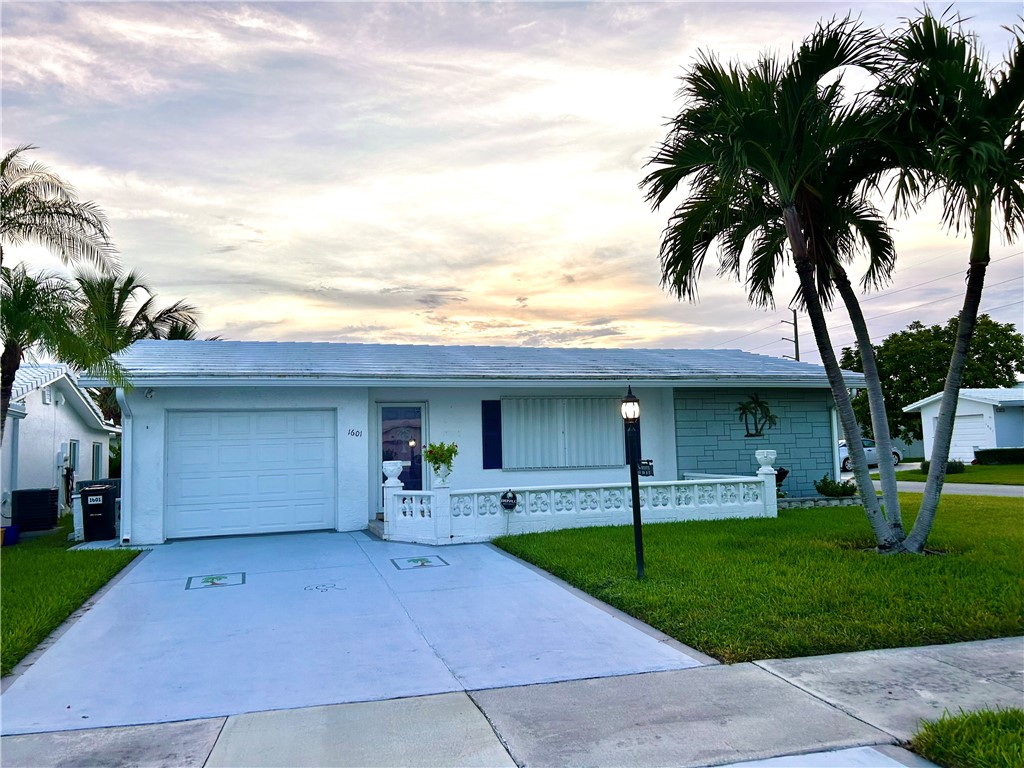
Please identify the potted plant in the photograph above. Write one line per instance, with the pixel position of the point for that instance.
(440, 457)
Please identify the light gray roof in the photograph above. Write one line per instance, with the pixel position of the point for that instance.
(32, 377)
(29, 378)
(189, 363)
(1000, 396)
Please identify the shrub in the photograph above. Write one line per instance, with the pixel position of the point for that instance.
(954, 467)
(1000, 456)
(829, 487)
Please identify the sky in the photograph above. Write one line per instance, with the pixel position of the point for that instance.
(428, 173)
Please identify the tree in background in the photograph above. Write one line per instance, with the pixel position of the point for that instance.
(914, 362)
(38, 206)
(117, 311)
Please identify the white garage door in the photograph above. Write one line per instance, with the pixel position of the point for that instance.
(969, 432)
(232, 472)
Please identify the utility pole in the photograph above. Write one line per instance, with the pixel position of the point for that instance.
(796, 337)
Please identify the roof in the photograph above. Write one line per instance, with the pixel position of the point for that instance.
(209, 363)
(29, 378)
(1001, 397)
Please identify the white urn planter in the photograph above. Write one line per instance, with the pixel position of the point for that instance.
(392, 469)
(441, 473)
(765, 458)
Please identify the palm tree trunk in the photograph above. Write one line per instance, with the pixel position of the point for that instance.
(876, 403)
(951, 392)
(884, 536)
(10, 361)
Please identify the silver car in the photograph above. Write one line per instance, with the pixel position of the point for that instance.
(870, 451)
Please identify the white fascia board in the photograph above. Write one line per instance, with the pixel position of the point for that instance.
(915, 407)
(592, 382)
(78, 400)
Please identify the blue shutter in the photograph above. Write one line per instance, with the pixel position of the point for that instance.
(490, 418)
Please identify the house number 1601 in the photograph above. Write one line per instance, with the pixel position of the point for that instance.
(355, 433)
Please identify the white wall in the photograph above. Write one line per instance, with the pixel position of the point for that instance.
(148, 441)
(930, 412)
(453, 415)
(46, 428)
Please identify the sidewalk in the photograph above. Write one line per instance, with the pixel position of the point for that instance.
(838, 711)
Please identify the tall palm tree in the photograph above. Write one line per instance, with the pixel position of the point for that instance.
(121, 309)
(968, 122)
(43, 313)
(757, 146)
(37, 205)
(117, 311)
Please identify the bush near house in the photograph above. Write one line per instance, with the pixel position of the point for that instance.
(805, 584)
(989, 738)
(43, 584)
(953, 467)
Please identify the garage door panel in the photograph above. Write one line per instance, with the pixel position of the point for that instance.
(259, 472)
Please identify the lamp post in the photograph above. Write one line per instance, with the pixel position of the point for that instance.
(631, 416)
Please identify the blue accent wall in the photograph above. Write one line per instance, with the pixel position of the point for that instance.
(710, 435)
(1010, 427)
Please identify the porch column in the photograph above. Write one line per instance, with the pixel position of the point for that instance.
(767, 474)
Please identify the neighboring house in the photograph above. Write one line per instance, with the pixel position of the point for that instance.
(52, 423)
(251, 437)
(985, 418)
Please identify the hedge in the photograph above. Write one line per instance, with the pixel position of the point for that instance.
(999, 455)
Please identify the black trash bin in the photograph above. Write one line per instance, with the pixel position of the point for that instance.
(98, 515)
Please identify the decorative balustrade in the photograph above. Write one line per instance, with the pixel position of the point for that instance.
(444, 516)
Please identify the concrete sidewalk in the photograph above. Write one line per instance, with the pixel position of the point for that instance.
(833, 711)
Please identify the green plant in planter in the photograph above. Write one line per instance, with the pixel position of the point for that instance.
(755, 409)
(439, 455)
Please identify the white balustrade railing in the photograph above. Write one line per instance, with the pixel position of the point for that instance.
(445, 516)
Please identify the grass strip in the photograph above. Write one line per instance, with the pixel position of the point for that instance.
(42, 584)
(806, 583)
(983, 739)
(983, 474)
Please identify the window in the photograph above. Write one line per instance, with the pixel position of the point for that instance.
(97, 460)
(561, 432)
(47, 395)
(73, 455)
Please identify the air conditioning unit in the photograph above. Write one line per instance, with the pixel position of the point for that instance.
(34, 509)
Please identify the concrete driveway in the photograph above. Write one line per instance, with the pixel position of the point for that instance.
(217, 627)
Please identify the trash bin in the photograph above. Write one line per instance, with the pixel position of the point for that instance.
(98, 519)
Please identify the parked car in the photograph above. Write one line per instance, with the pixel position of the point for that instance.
(869, 450)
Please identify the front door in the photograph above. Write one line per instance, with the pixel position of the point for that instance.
(401, 439)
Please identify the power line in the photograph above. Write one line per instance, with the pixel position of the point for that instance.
(926, 282)
(752, 333)
(915, 306)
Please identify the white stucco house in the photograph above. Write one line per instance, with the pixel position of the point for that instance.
(985, 418)
(223, 438)
(52, 422)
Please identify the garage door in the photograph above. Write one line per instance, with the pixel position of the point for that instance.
(232, 472)
(969, 432)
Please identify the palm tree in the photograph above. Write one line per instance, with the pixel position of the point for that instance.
(967, 120)
(44, 313)
(119, 310)
(37, 205)
(757, 146)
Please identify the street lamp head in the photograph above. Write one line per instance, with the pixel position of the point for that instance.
(412, 443)
(630, 407)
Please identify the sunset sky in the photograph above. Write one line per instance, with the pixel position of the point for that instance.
(424, 173)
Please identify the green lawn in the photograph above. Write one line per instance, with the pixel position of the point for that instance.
(985, 739)
(986, 474)
(42, 584)
(803, 584)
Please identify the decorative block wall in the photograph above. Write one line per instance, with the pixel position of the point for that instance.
(710, 435)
